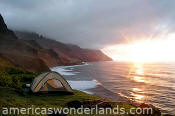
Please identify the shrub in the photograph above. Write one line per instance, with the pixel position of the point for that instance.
(16, 82)
(5, 80)
(28, 78)
(15, 77)
(14, 70)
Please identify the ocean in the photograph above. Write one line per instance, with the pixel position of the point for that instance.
(152, 83)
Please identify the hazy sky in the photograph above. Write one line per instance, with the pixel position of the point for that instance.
(91, 23)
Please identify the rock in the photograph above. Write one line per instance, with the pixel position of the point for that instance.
(143, 105)
(100, 103)
(3, 26)
(104, 105)
(90, 104)
(57, 114)
(75, 104)
(156, 111)
(168, 115)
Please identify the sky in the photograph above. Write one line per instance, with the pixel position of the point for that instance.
(91, 23)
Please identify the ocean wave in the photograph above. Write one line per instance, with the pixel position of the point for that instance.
(84, 85)
(67, 70)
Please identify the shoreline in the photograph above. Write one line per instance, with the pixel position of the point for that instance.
(94, 88)
(79, 63)
(97, 90)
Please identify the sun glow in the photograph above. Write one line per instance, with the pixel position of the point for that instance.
(145, 50)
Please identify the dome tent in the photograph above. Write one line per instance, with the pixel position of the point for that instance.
(50, 82)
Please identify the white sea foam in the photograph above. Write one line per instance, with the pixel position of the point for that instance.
(83, 85)
(78, 85)
(63, 70)
(67, 70)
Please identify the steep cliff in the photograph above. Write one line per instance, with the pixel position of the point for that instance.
(3, 26)
(66, 53)
(17, 52)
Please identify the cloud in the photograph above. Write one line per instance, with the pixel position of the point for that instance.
(90, 23)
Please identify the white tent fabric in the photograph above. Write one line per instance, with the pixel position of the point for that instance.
(50, 81)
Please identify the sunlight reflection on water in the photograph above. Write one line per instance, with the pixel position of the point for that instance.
(151, 83)
(138, 71)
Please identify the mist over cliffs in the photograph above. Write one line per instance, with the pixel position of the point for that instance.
(37, 53)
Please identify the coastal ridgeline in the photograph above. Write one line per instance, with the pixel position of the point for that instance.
(36, 53)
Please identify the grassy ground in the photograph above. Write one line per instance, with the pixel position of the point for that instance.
(9, 97)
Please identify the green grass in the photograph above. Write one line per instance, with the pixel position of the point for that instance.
(9, 97)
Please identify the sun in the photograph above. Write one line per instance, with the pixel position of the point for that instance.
(144, 50)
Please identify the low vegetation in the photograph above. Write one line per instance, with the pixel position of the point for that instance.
(13, 77)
